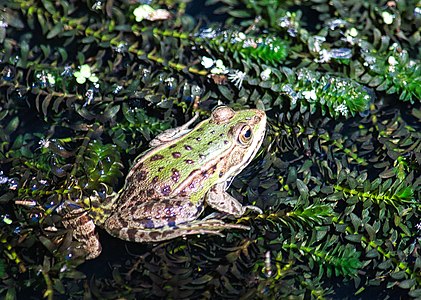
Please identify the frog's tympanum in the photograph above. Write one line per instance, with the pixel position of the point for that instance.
(166, 189)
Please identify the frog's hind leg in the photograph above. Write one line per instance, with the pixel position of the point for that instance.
(82, 222)
(162, 220)
(212, 226)
(83, 231)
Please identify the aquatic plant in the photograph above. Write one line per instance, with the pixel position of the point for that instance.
(86, 85)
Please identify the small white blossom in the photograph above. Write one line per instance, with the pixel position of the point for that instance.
(324, 57)
(219, 68)
(392, 61)
(207, 62)
(310, 95)
(387, 17)
(143, 12)
(342, 109)
(97, 5)
(265, 75)
(148, 13)
(44, 143)
(85, 73)
(318, 41)
(418, 226)
(352, 32)
(51, 79)
(237, 78)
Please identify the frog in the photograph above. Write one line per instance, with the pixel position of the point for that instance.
(169, 185)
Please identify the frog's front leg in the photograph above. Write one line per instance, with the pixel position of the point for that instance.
(172, 133)
(220, 200)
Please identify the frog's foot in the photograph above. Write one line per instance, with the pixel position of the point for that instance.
(172, 133)
(212, 226)
(83, 231)
(220, 200)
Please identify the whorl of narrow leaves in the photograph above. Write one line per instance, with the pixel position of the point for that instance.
(102, 164)
(268, 49)
(393, 72)
(336, 96)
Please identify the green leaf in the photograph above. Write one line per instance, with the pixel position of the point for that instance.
(356, 238)
(49, 6)
(407, 284)
(58, 28)
(239, 13)
(12, 126)
(302, 188)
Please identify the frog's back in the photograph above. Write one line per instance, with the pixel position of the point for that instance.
(180, 167)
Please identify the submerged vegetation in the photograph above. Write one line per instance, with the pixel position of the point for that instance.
(85, 85)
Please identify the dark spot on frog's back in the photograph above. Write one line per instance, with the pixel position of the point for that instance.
(175, 174)
(155, 180)
(189, 161)
(131, 233)
(123, 223)
(141, 175)
(160, 169)
(176, 154)
(154, 235)
(156, 157)
(150, 192)
(166, 190)
(187, 147)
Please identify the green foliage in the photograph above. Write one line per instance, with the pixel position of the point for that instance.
(393, 72)
(338, 96)
(101, 164)
(269, 49)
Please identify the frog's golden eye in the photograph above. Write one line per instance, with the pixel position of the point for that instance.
(245, 135)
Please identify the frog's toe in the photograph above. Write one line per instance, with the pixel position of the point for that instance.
(254, 208)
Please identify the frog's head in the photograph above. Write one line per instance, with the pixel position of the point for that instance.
(245, 130)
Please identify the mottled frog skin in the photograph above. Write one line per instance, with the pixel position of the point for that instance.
(168, 186)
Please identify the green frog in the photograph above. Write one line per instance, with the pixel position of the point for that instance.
(168, 185)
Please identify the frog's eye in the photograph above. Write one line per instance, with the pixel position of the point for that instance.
(245, 135)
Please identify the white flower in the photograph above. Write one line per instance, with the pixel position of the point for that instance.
(310, 95)
(265, 75)
(219, 68)
(97, 5)
(392, 61)
(324, 57)
(352, 32)
(145, 11)
(318, 41)
(342, 109)
(51, 79)
(237, 78)
(418, 226)
(85, 73)
(387, 17)
(207, 62)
